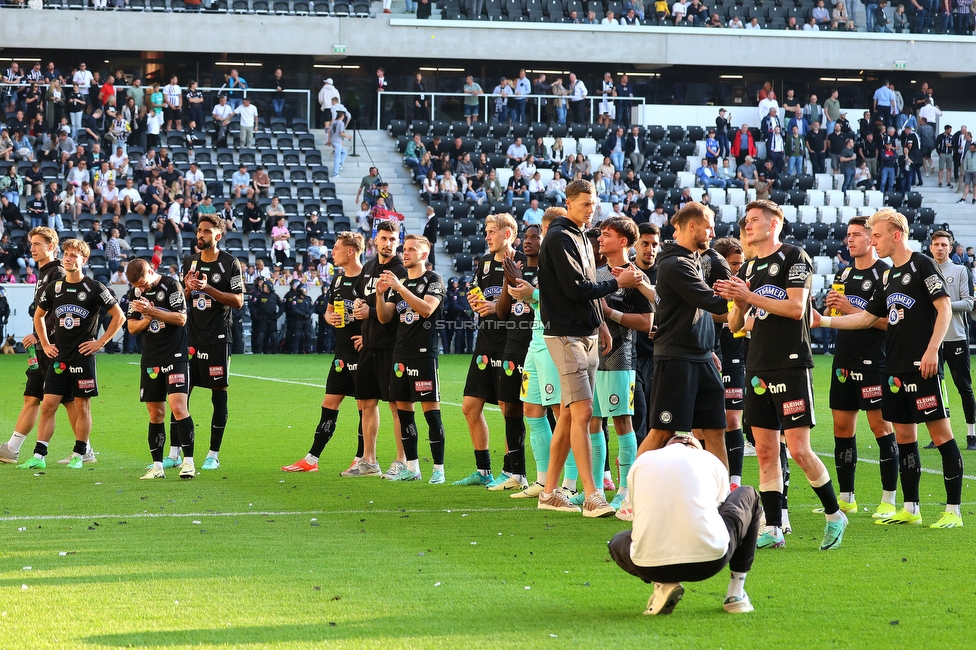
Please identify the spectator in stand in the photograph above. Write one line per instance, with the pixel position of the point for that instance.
(449, 189)
(249, 117)
(708, 177)
(537, 189)
(556, 189)
(817, 148)
(430, 189)
(516, 187)
(840, 20)
(847, 164)
(867, 154)
(516, 153)
(475, 190)
(908, 162)
(747, 173)
(261, 183)
(968, 165)
(835, 143)
(337, 133)
(222, 114)
(794, 147)
(253, 219)
(881, 20)
(743, 145)
(887, 164)
(863, 179)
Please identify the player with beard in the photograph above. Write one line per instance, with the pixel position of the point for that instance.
(733, 369)
(540, 379)
(376, 356)
(627, 313)
(487, 381)
(44, 252)
(157, 310)
(341, 382)
(415, 303)
(647, 248)
(919, 311)
(780, 361)
(858, 373)
(214, 286)
(75, 302)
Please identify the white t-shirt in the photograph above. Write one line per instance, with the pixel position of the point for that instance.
(676, 492)
(222, 111)
(192, 177)
(118, 162)
(248, 114)
(132, 193)
(175, 213)
(83, 78)
(110, 194)
(173, 94)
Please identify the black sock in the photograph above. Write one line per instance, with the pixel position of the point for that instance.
(435, 435)
(174, 436)
(81, 447)
(324, 431)
(408, 434)
(219, 420)
(515, 436)
(734, 449)
(845, 461)
(40, 449)
(482, 459)
(606, 437)
(187, 435)
(888, 448)
(506, 463)
(359, 442)
(827, 497)
(157, 438)
(552, 419)
(910, 470)
(951, 471)
(785, 462)
(772, 503)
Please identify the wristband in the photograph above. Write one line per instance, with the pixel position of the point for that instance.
(825, 321)
(615, 315)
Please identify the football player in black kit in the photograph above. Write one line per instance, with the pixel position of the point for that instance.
(214, 287)
(415, 304)
(918, 309)
(779, 387)
(376, 359)
(487, 382)
(858, 373)
(44, 252)
(157, 310)
(341, 382)
(647, 248)
(75, 302)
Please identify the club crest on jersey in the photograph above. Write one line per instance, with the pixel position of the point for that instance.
(847, 272)
(421, 287)
(160, 295)
(156, 325)
(884, 277)
(905, 279)
(614, 399)
(866, 285)
(82, 295)
(487, 267)
(215, 277)
(749, 267)
(202, 303)
(57, 286)
(518, 308)
(774, 270)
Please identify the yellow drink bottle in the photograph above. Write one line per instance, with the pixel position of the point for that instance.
(839, 288)
(339, 307)
(741, 333)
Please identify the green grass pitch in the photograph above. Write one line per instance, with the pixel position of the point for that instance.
(248, 556)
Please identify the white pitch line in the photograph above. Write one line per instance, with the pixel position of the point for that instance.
(258, 513)
(875, 462)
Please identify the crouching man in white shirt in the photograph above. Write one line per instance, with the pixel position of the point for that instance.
(687, 526)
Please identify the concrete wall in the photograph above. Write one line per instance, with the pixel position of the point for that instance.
(386, 37)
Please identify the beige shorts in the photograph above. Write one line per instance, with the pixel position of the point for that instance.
(576, 359)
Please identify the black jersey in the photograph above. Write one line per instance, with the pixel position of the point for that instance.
(490, 277)
(210, 322)
(376, 335)
(733, 349)
(714, 268)
(642, 340)
(628, 301)
(343, 287)
(50, 272)
(417, 337)
(161, 342)
(521, 318)
(76, 306)
(779, 342)
(861, 347)
(907, 298)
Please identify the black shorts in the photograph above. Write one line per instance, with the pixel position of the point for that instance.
(342, 378)
(734, 381)
(172, 114)
(414, 380)
(508, 377)
(210, 365)
(686, 395)
(373, 375)
(75, 378)
(855, 390)
(35, 378)
(482, 379)
(780, 399)
(909, 399)
(157, 382)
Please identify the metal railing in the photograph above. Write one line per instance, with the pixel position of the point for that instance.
(486, 101)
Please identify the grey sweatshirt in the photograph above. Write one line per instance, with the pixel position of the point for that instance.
(959, 286)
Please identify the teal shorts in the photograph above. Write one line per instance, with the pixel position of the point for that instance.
(540, 380)
(613, 395)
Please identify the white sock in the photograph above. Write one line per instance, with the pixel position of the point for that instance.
(970, 430)
(735, 479)
(911, 507)
(16, 442)
(837, 516)
(174, 452)
(439, 468)
(75, 454)
(540, 478)
(483, 472)
(188, 460)
(623, 491)
(737, 586)
(847, 496)
(518, 477)
(158, 465)
(212, 454)
(786, 516)
(311, 460)
(569, 484)
(606, 475)
(414, 466)
(954, 510)
(88, 447)
(888, 496)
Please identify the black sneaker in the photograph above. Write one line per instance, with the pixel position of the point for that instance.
(931, 445)
(970, 443)
(961, 201)
(940, 184)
